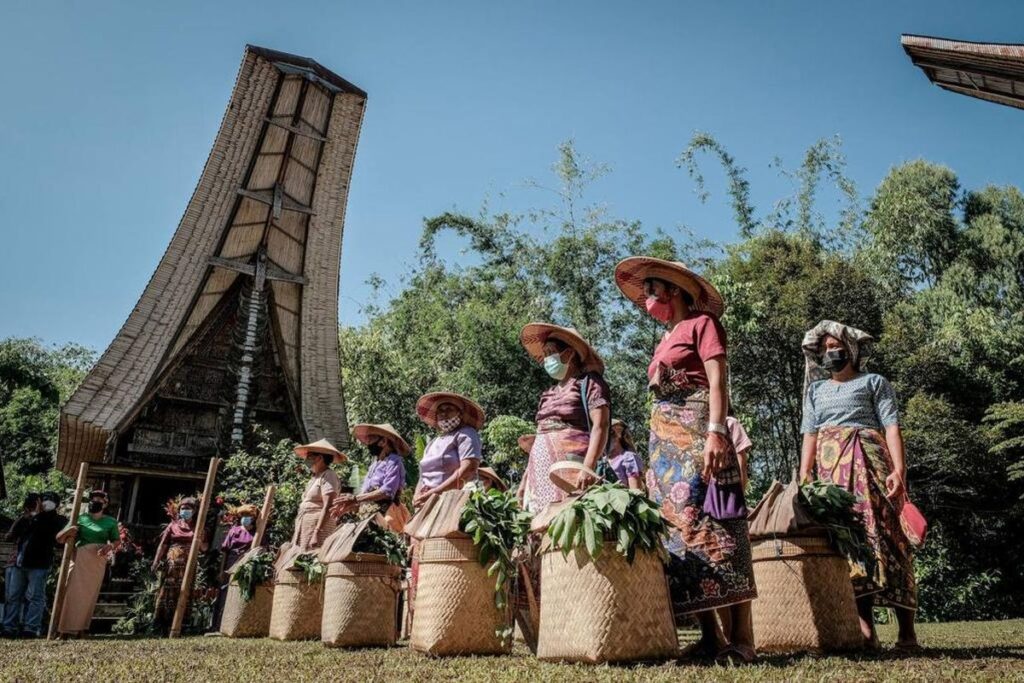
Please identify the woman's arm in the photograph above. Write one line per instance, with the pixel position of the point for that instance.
(895, 483)
(716, 445)
(467, 470)
(807, 455)
(635, 483)
(742, 458)
(161, 550)
(328, 500)
(371, 496)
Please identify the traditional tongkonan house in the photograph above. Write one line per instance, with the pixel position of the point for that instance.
(988, 71)
(239, 324)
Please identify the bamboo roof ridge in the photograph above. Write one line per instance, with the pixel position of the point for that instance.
(269, 207)
(989, 71)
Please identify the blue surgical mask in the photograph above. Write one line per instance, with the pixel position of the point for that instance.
(555, 367)
(185, 514)
(246, 521)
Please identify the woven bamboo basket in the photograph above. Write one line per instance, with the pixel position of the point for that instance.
(805, 597)
(604, 610)
(242, 619)
(361, 602)
(298, 608)
(455, 612)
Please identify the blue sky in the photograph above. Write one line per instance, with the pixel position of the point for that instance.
(110, 109)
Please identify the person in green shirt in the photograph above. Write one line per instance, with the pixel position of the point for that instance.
(94, 536)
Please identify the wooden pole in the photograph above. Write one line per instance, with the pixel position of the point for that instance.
(69, 551)
(261, 523)
(185, 593)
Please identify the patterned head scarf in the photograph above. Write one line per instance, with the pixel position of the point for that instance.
(858, 342)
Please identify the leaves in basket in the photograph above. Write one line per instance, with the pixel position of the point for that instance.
(254, 572)
(610, 512)
(311, 566)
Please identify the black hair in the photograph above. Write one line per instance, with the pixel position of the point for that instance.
(30, 500)
(559, 344)
(687, 298)
(52, 496)
(328, 458)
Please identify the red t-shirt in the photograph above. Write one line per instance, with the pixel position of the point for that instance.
(685, 349)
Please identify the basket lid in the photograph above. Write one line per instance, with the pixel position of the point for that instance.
(439, 517)
(780, 513)
(249, 554)
(338, 547)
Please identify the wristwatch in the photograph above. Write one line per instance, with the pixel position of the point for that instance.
(718, 427)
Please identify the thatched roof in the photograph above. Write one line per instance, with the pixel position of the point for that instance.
(276, 180)
(989, 71)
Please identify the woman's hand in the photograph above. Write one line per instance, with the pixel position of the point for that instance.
(894, 488)
(422, 496)
(584, 480)
(716, 454)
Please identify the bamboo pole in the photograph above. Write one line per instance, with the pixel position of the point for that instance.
(185, 593)
(69, 551)
(261, 523)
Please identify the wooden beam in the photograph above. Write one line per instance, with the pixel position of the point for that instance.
(276, 272)
(267, 197)
(69, 550)
(145, 472)
(232, 264)
(297, 130)
(261, 523)
(185, 593)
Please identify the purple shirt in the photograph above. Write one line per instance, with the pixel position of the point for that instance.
(386, 474)
(236, 543)
(442, 457)
(625, 465)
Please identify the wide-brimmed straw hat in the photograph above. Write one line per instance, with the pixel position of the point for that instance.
(526, 442)
(426, 408)
(492, 476)
(631, 273)
(323, 447)
(535, 335)
(364, 431)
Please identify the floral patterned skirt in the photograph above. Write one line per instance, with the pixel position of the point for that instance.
(710, 563)
(858, 460)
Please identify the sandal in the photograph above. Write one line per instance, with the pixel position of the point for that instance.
(699, 650)
(736, 654)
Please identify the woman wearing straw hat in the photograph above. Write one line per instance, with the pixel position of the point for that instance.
(313, 522)
(852, 438)
(693, 470)
(572, 416)
(452, 457)
(385, 479)
(622, 457)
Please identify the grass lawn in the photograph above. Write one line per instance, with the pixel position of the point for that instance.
(960, 651)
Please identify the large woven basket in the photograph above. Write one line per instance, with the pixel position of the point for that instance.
(455, 612)
(247, 619)
(298, 608)
(604, 610)
(361, 602)
(805, 597)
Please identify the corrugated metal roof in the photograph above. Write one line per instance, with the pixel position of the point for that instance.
(988, 71)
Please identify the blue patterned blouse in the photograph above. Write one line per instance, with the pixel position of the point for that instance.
(864, 401)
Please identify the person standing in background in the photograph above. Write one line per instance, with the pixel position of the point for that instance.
(35, 536)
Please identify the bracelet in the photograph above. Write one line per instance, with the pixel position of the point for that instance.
(718, 428)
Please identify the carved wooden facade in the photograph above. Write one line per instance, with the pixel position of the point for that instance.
(238, 324)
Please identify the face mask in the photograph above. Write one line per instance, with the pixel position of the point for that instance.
(185, 514)
(448, 424)
(246, 521)
(95, 506)
(835, 360)
(554, 366)
(49, 506)
(659, 310)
